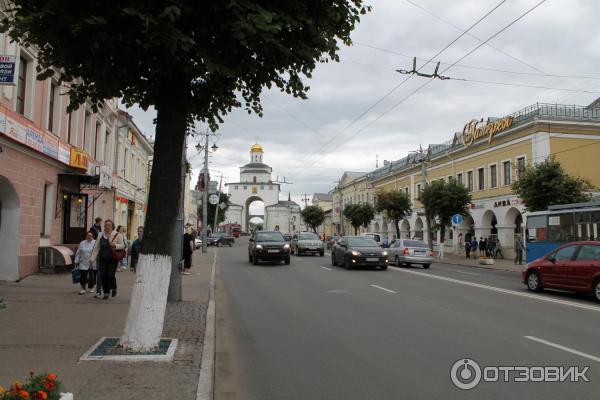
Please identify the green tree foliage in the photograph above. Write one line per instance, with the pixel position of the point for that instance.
(313, 216)
(223, 199)
(442, 200)
(395, 205)
(546, 184)
(359, 215)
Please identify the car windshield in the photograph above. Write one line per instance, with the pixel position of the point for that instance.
(269, 237)
(414, 243)
(361, 241)
(308, 236)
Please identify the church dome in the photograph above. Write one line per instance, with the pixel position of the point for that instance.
(256, 148)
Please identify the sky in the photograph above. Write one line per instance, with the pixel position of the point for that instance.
(343, 125)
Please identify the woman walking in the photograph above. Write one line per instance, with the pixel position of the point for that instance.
(188, 248)
(122, 264)
(109, 241)
(84, 264)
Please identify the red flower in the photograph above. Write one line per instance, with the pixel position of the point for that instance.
(16, 386)
(51, 377)
(40, 395)
(49, 385)
(24, 394)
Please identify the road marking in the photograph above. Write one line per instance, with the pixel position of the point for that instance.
(565, 348)
(382, 288)
(328, 269)
(500, 290)
(467, 273)
(336, 291)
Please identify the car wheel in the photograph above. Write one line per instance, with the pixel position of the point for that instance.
(383, 267)
(230, 244)
(534, 282)
(333, 262)
(596, 290)
(397, 261)
(255, 260)
(347, 264)
(287, 260)
(426, 266)
(321, 253)
(218, 244)
(249, 257)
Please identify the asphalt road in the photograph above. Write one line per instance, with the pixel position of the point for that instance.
(313, 331)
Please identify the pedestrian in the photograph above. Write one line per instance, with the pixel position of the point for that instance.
(122, 265)
(491, 246)
(84, 264)
(188, 248)
(467, 246)
(474, 247)
(481, 247)
(519, 250)
(460, 242)
(96, 228)
(108, 241)
(385, 242)
(136, 247)
(440, 253)
(498, 249)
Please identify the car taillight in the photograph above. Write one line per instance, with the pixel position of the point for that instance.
(430, 253)
(405, 252)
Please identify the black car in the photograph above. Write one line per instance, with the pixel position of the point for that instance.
(220, 239)
(358, 251)
(268, 246)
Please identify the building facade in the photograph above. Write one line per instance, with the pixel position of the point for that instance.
(325, 202)
(353, 188)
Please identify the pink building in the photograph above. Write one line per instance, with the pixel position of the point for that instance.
(56, 168)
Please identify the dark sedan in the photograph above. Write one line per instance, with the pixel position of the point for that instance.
(220, 239)
(268, 246)
(358, 251)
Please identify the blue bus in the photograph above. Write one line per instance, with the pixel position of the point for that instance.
(561, 224)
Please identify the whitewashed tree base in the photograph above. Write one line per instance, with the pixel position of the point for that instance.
(486, 261)
(148, 304)
(66, 396)
(167, 357)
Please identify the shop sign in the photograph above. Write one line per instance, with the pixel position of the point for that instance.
(473, 206)
(64, 153)
(105, 177)
(7, 70)
(476, 129)
(78, 159)
(34, 139)
(50, 146)
(508, 202)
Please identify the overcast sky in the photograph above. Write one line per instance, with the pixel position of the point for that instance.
(311, 142)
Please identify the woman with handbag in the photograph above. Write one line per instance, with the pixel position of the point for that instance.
(109, 250)
(82, 262)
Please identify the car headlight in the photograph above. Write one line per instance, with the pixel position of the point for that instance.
(259, 247)
(286, 246)
(355, 253)
(384, 253)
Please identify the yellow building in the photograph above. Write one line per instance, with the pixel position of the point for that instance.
(488, 156)
(353, 188)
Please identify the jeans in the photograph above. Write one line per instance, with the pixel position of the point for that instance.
(107, 269)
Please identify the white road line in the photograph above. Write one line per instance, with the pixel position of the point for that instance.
(565, 348)
(328, 269)
(500, 290)
(382, 288)
(467, 273)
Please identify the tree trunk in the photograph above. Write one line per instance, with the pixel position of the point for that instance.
(355, 231)
(429, 231)
(397, 222)
(442, 232)
(147, 307)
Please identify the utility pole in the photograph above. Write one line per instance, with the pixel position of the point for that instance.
(217, 205)
(174, 293)
(205, 196)
(423, 159)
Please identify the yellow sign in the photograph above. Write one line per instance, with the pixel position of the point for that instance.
(475, 129)
(78, 159)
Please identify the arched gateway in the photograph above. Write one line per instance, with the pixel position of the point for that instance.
(256, 184)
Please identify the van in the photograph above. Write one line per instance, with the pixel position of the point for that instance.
(375, 236)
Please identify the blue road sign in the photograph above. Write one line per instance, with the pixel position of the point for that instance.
(457, 219)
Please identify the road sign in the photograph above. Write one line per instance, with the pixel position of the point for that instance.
(457, 219)
(213, 199)
(7, 70)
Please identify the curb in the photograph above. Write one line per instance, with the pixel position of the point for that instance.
(206, 379)
(442, 261)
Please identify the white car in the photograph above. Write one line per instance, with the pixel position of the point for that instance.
(198, 242)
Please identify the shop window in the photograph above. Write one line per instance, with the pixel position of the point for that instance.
(470, 181)
(493, 176)
(481, 178)
(506, 172)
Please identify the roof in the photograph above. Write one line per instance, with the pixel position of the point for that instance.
(322, 197)
(354, 175)
(256, 165)
(256, 148)
(286, 203)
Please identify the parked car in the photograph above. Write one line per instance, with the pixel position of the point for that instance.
(220, 239)
(375, 236)
(410, 251)
(307, 242)
(358, 251)
(198, 242)
(287, 237)
(268, 246)
(574, 267)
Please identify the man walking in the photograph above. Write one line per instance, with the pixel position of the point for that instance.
(96, 228)
(519, 247)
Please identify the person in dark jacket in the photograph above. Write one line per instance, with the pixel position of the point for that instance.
(474, 247)
(136, 247)
(96, 228)
(482, 246)
(188, 248)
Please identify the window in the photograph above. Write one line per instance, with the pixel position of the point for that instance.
(481, 178)
(125, 161)
(459, 178)
(565, 254)
(254, 179)
(506, 172)
(406, 190)
(51, 103)
(418, 191)
(245, 187)
(588, 252)
(262, 188)
(470, 181)
(450, 178)
(70, 127)
(560, 227)
(87, 132)
(47, 205)
(21, 86)
(493, 176)
(236, 187)
(270, 187)
(520, 167)
(106, 147)
(98, 127)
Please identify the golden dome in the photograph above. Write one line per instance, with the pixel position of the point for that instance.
(256, 148)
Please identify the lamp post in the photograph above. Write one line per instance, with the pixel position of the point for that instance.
(214, 148)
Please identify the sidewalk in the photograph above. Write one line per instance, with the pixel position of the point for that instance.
(499, 264)
(47, 326)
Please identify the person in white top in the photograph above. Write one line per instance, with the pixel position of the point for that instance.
(83, 263)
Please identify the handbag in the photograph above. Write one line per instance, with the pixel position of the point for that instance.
(117, 254)
(75, 275)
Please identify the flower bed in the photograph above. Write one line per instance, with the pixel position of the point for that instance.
(39, 387)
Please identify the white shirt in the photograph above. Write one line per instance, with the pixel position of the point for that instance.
(84, 251)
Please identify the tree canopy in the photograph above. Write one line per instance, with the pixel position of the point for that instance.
(359, 215)
(546, 184)
(314, 216)
(395, 205)
(442, 200)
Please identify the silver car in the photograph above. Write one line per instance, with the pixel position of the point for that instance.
(307, 242)
(408, 251)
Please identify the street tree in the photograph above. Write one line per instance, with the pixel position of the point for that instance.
(547, 183)
(395, 205)
(193, 62)
(223, 205)
(314, 216)
(359, 215)
(441, 200)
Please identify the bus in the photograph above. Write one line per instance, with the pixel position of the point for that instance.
(232, 229)
(561, 224)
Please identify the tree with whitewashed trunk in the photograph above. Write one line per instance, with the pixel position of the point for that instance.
(193, 61)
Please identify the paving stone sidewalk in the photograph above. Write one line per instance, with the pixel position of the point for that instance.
(499, 264)
(47, 326)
